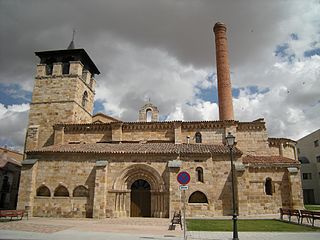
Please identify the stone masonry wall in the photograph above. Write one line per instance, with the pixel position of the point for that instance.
(252, 197)
(209, 136)
(70, 172)
(148, 134)
(253, 142)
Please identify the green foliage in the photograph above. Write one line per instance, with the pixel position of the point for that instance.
(247, 226)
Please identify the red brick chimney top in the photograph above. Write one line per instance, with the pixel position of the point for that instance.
(219, 26)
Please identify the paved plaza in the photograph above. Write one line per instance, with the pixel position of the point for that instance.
(123, 228)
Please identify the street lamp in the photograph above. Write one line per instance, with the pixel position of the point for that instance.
(230, 141)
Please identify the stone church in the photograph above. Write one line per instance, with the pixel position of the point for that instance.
(82, 165)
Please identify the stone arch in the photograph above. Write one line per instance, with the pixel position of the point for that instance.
(198, 197)
(61, 191)
(80, 191)
(148, 108)
(43, 191)
(139, 171)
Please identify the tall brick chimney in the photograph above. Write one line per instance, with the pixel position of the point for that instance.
(223, 72)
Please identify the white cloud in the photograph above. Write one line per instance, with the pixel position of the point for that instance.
(165, 50)
(13, 125)
(136, 74)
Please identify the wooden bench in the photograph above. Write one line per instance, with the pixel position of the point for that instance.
(176, 219)
(12, 213)
(290, 213)
(311, 216)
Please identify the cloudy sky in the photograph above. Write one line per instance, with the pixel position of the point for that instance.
(164, 50)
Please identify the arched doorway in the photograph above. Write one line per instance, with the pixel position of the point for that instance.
(140, 199)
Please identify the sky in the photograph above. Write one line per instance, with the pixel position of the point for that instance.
(164, 50)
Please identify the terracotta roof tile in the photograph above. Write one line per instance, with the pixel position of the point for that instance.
(258, 160)
(137, 148)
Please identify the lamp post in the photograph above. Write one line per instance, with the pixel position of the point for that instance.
(230, 141)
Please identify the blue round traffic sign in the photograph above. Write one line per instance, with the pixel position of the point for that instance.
(183, 178)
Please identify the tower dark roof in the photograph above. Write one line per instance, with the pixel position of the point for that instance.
(49, 57)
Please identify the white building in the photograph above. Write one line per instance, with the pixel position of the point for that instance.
(309, 156)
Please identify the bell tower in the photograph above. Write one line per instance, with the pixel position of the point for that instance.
(64, 90)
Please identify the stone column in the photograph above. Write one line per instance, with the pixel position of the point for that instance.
(57, 69)
(100, 190)
(41, 70)
(76, 68)
(27, 187)
(223, 73)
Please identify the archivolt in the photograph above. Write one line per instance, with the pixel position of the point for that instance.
(139, 171)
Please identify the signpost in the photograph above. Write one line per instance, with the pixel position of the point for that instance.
(184, 178)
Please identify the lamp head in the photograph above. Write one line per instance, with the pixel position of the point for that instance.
(230, 140)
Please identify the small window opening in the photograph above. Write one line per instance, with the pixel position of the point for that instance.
(43, 191)
(84, 99)
(80, 191)
(198, 197)
(199, 171)
(61, 191)
(149, 115)
(268, 186)
(198, 137)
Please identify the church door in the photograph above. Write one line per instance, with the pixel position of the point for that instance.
(140, 199)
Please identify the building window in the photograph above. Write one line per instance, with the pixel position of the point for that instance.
(43, 191)
(298, 150)
(61, 191)
(80, 191)
(199, 171)
(198, 197)
(198, 137)
(306, 176)
(316, 143)
(84, 99)
(318, 158)
(268, 186)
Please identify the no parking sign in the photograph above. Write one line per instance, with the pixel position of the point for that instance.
(183, 178)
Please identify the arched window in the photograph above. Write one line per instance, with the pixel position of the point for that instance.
(84, 99)
(80, 191)
(43, 191)
(61, 191)
(199, 171)
(198, 137)
(268, 186)
(149, 115)
(198, 197)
